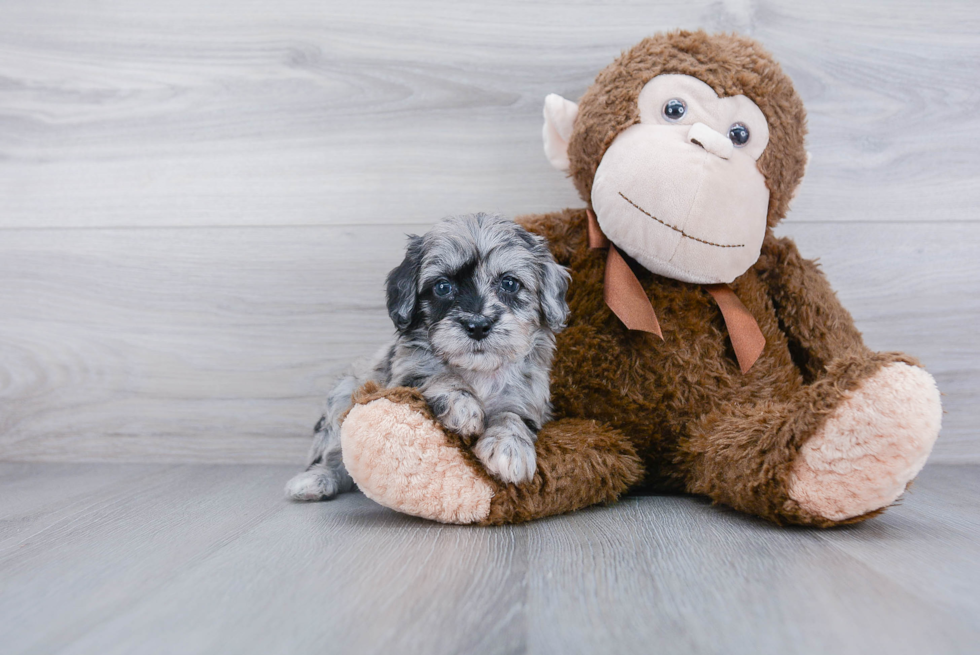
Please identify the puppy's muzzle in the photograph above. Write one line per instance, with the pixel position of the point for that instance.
(477, 327)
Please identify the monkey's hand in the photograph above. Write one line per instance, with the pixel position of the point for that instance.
(506, 449)
(457, 409)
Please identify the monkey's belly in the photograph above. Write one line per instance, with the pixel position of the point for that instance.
(655, 391)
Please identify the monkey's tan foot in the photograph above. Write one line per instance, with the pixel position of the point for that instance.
(402, 458)
(873, 445)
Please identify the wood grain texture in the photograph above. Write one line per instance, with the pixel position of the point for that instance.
(219, 345)
(182, 345)
(211, 559)
(303, 112)
(199, 200)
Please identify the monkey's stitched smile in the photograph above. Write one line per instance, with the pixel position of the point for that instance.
(677, 229)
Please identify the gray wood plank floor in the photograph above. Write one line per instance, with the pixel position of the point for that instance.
(116, 558)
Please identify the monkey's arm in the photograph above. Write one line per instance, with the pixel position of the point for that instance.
(819, 328)
(402, 458)
(565, 231)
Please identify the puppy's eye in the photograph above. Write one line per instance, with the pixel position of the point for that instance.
(509, 284)
(443, 288)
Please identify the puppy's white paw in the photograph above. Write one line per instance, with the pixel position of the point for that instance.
(460, 412)
(507, 452)
(316, 484)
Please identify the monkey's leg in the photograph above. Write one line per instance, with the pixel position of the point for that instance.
(839, 451)
(400, 457)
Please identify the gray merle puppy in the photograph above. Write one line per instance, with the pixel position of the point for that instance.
(476, 305)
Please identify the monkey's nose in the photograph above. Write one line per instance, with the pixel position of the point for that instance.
(714, 142)
(478, 328)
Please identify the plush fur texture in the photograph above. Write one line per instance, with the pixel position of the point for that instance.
(402, 460)
(407, 462)
(676, 194)
(731, 65)
(476, 304)
(878, 439)
(580, 463)
(812, 434)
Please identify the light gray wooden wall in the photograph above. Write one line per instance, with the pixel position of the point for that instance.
(199, 200)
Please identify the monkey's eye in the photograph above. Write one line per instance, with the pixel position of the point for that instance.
(509, 284)
(674, 109)
(739, 134)
(442, 288)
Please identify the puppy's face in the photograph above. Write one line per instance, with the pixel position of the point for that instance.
(479, 290)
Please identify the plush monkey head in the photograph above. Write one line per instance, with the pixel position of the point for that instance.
(687, 148)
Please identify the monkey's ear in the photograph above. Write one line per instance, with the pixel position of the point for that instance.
(402, 284)
(559, 119)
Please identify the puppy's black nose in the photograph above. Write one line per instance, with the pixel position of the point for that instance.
(478, 328)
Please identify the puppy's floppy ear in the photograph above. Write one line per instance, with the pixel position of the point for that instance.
(402, 285)
(552, 286)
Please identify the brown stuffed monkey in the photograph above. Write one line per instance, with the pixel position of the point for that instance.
(740, 376)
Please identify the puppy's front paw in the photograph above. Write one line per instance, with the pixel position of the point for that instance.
(318, 484)
(459, 412)
(507, 452)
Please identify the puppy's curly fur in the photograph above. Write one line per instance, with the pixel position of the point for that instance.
(476, 305)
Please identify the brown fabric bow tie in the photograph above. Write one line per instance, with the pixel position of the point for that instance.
(626, 298)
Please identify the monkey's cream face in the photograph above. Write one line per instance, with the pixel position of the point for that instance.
(680, 191)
